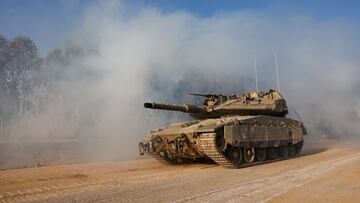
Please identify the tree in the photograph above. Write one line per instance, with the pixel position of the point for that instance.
(22, 62)
(19, 61)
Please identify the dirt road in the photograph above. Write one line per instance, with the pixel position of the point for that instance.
(319, 174)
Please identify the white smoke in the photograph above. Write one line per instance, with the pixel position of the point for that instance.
(148, 54)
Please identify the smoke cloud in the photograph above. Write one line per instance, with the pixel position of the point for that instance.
(126, 56)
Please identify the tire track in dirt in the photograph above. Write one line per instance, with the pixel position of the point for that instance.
(264, 189)
(48, 191)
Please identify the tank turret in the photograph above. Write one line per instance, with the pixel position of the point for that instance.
(217, 105)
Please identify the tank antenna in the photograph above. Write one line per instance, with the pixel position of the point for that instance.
(256, 78)
(296, 113)
(277, 72)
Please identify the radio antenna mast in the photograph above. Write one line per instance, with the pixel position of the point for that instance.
(277, 72)
(256, 78)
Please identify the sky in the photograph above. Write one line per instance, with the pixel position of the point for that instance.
(49, 23)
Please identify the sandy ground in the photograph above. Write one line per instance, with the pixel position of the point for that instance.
(320, 174)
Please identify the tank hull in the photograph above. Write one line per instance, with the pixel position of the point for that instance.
(232, 141)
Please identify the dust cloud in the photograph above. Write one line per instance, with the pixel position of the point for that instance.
(126, 56)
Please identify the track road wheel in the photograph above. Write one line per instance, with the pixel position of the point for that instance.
(260, 154)
(291, 150)
(236, 155)
(273, 153)
(249, 155)
(283, 152)
(298, 147)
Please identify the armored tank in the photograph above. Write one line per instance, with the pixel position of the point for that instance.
(233, 131)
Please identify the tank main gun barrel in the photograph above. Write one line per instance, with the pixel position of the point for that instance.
(187, 108)
(202, 95)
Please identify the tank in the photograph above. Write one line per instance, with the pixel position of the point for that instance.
(233, 131)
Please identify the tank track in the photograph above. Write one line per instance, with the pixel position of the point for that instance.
(161, 159)
(156, 154)
(208, 146)
(207, 143)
